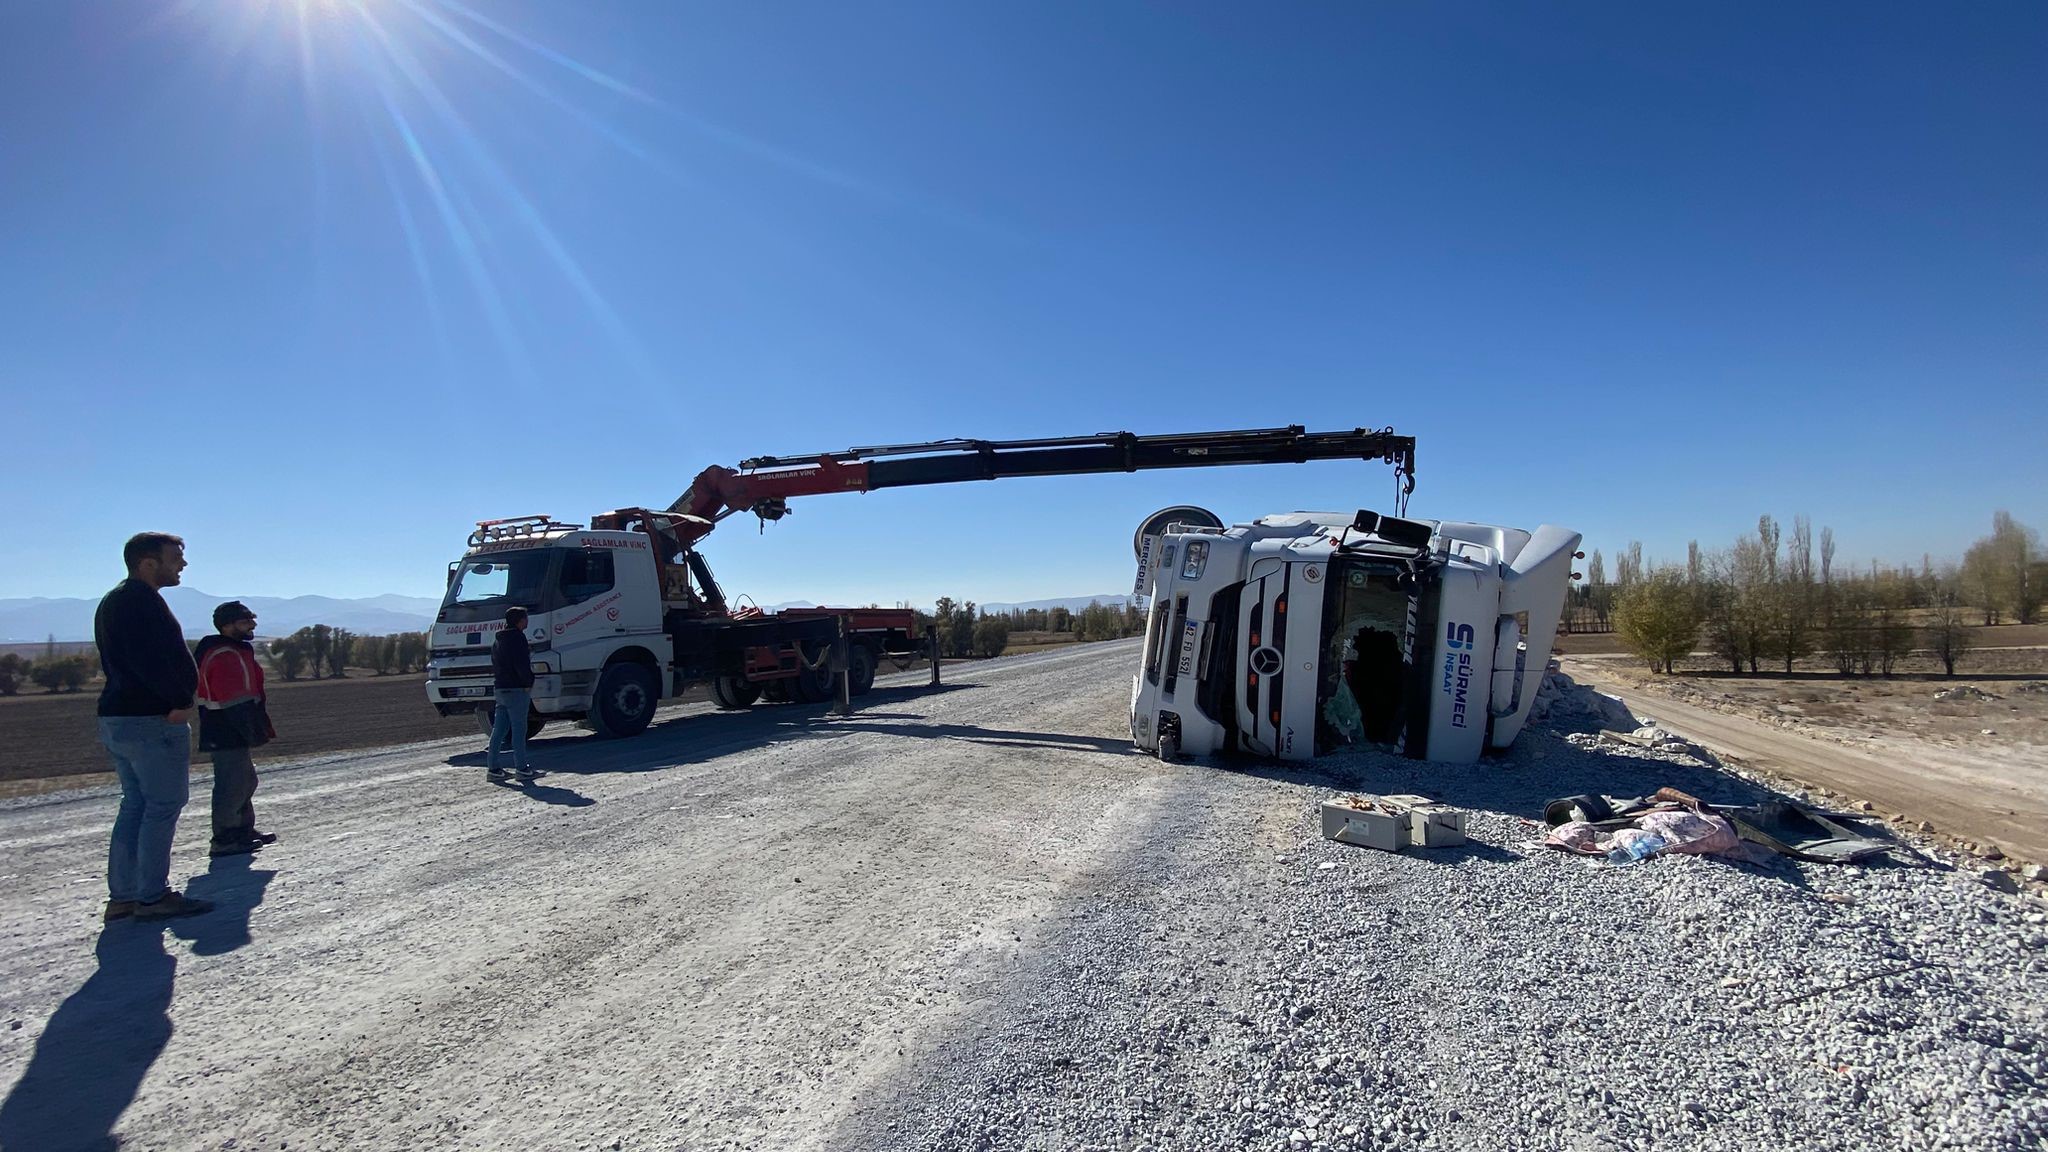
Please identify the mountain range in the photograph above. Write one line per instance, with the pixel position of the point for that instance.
(70, 618)
(37, 618)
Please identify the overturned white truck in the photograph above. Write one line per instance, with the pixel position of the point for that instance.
(1298, 634)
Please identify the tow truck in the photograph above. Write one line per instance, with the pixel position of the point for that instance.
(624, 612)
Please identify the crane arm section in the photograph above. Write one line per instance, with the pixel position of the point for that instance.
(765, 484)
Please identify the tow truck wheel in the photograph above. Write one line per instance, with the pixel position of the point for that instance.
(814, 685)
(625, 701)
(860, 669)
(733, 693)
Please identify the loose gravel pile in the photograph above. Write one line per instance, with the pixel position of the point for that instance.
(1237, 981)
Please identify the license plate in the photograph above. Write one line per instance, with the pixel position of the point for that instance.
(476, 691)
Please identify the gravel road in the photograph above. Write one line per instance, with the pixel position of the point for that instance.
(974, 919)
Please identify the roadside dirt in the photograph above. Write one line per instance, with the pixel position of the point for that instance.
(44, 736)
(1889, 742)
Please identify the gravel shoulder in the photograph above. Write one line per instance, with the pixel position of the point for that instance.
(974, 918)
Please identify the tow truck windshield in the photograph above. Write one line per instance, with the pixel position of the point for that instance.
(483, 589)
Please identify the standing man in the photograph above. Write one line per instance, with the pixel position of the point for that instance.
(145, 712)
(233, 721)
(512, 674)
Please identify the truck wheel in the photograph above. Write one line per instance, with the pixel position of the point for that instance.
(813, 685)
(733, 693)
(534, 723)
(1169, 746)
(860, 669)
(625, 701)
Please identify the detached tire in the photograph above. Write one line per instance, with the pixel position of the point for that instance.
(625, 701)
(733, 693)
(1169, 746)
(860, 669)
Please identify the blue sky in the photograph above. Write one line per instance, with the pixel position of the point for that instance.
(318, 284)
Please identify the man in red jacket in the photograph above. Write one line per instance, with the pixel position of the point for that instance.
(233, 720)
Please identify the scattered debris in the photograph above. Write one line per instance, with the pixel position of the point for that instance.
(1626, 831)
(1803, 834)
(2036, 872)
(1391, 823)
(1966, 692)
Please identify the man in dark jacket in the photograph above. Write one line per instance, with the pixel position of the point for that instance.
(512, 675)
(233, 720)
(144, 719)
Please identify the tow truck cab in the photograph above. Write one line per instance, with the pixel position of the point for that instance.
(592, 598)
(1297, 634)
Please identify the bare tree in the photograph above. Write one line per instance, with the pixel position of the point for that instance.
(1948, 634)
(1793, 612)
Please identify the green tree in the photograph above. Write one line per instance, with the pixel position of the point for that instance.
(317, 648)
(13, 670)
(991, 635)
(61, 673)
(1658, 617)
(290, 654)
(340, 645)
(413, 649)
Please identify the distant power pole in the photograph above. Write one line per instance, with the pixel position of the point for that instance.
(50, 647)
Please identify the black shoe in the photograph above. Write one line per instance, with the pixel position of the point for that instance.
(233, 847)
(529, 775)
(171, 904)
(496, 775)
(263, 837)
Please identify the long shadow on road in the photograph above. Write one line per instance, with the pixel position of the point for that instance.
(699, 736)
(92, 1056)
(235, 886)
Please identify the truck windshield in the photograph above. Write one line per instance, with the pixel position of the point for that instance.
(482, 588)
(1362, 695)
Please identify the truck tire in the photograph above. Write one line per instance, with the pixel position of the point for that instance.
(813, 685)
(625, 701)
(1169, 746)
(733, 693)
(860, 669)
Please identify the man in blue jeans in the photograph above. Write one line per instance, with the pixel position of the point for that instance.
(145, 716)
(512, 676)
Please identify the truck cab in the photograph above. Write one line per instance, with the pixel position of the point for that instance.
(1298, 634)
(622, 615)
(593, 602)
